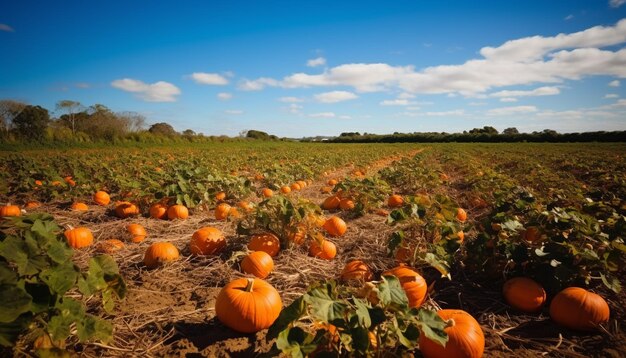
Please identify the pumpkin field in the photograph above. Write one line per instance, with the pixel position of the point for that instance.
(314, 249)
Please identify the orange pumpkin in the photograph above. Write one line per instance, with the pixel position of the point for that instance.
(102, 198)
(297, 234)
(382, 212)
(412, 282)
(220, 196)
(110, 246)
(267, 193)
(302, 184)
(295, 187)
(327, 250)
(207, 241)
(158, 211)
(177, 212)
(461, 236)
(221, 211)
(137, 232)
(285, 189)
(79, 237)
(32, 204)
(346, 204)
(395, 201)
(335, 226)
(331, 203)
(326, 189)
(160, 253)
(579, 309)
(461, 215)
(356, 270)
(258, 263)
(78, 206)
(248, 305)
(332, 182)
(10, 210)
(266, 241)
(233, 212)
(524, 294)
(246, 206)
(465, 337)
(126, 210)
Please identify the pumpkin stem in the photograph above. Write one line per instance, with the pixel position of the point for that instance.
(249, 285)
(450, 323)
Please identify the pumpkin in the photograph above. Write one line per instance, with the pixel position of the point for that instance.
(158, 211)
(532, 234)
(302, 184)
(177, 212)
(32, 204)
(331, 203)
(266, 241)
(221, 211)
(267, 193)
(79, 237)
(137, 232)
(346, 204)
(207, 241)
(461, 236)
(412, 283)
(327, 250)
(38, 182)
(10, 210)
(297, 234)
(335, 226)
(258, 263)
(382, 212)
(246, 206)
(69, 180)
(332, 182)
(78, 206)
(326, 189)
(295, 187)
(285, 189)
(524, 294)
(248, 305)
(220, 196)
(395, 201)
(461, 215)
(233, 212)
(579, 309)
(465, 337)
(126, 210)
(356, 270)
(160, 253)
(110, 246)
(102, 198)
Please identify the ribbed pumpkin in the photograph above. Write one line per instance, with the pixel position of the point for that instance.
(10, 210)
(158, 211)
(335, 226)
(356, 270)
(465, 337)
(160, 253)
(78, 206)
(346, 204)
(295, 187)
(207, 241)
(331, 203)
(285, 189)
(79, 237)
(137, 232)
(524, 294)
(461, 215)
(302, 184)
(110, 246)
(395, 201)
(248, 305)
(579, 309)
(102, 198)
(258, 263)
(267, 193)
(221, 211)
(177, 212)
(412, 282)
(126, 210)
(266, 241)
(326, 251)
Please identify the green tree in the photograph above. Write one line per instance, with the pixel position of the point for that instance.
(162, 129)
(31, 123)
(9, 109)
(510, 131)
(71, 107)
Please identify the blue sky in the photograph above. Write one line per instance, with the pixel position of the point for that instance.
(325, 67)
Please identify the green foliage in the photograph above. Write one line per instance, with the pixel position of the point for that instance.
(37, 273)
(367, 194)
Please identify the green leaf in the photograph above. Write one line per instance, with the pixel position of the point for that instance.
(91, 327)
(432, 326)
(7, 276)
(611, 282)
(287, 316)
(391, 294)
(436, 263)
(106, 263)
(60, 278)
(362, 313)
(13, 302)
(52, 353)
(360, 339)
(324, 307)
(288, 346)
(9, 332)
(59, 252)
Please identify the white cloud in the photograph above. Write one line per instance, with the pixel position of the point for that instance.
(233, 111)
(616, 3)
(294, 108)
(7, 28)
(345, 117)
(224, 96)
(209, 78)
(320, 61)
(478, 103)
(291, 99)
(571, 114)
(507, 111)
(611, 95)
(614, 83)
(456, 112)
(82, 85)
(508, 99)
(541, 91)
(335, 96)
(569, 17)
(258, 84)
(405, 95)
(396, 102)
(323, 115)
(156, 92)
(413, 108)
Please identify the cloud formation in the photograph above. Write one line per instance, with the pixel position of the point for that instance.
(314, 62)
(233, 112)
(290, 99)
(160, 91)
(214, 79)
(616, 3)
(614, 83)
(224, 96)
(323, 115)
(6, 28)
(507, 111)
(335, 96)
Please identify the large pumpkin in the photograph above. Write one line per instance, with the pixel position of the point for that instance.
(102, 198)
(579, 309)
(266, 241)
(207, 241)
(465, 337)
(327, 250)
(160, 253)
(79, 237)
(177, 212)
(356, 270)
(248, 305)
(10, 210)
(335, 226)
(258, 263)
(524, 294)
(412, 283)
(158, 211)
(137, 232)
(126, 210)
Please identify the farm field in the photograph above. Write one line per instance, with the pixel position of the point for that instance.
(465, 217)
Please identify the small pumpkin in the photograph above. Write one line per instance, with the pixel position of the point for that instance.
(110, 246)
(125, 210)
(233, 212)
(32, 204)
(327, 250)
(326, 189)
(245, 205)
(285, 189)
(248, 305)
(102, 198)
(207, 241)
(331, 203)
(335, 226)
(412, 283)
(579, 309)
(220, 196)
(346, 204)
(78, 206)
(465, 337)
(297, 234)
(356, 270)
(137, 232)
(524, 294)
(302, 184)
(79, 237)
(177, 212)
(295, 187)
(395, 201)
(461, 215)
(332, 182)
(158, 211)
(10, 210)
(258, 263)
(267, 193)
(221, 211)
(266, 241)
(461, 236)
(160, 253)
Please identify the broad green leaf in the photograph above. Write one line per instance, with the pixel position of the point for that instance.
(611, 282)
(324, 307)
(432, 326)
(7, 276)
(9, 332)
(287, 316)
(13, 302)
(59, 252)
(91, 327)
(362, 312)
(391, 294)
(60, 278)
(287, 345)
